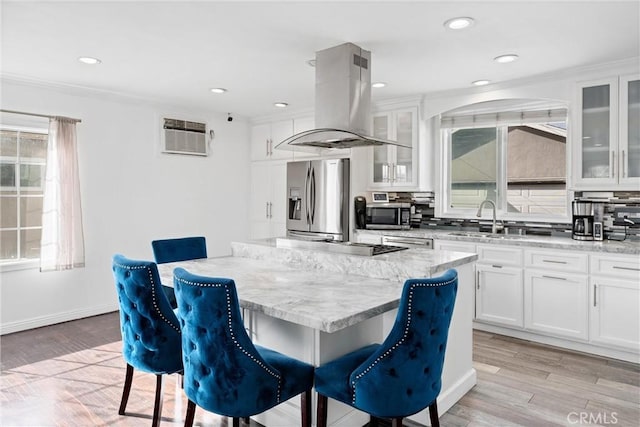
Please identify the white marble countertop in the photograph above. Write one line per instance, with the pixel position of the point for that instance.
(532, 241)
(294, 286)
(399, 266)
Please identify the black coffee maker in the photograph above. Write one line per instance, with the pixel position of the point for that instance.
(582, 221)
(360, 210)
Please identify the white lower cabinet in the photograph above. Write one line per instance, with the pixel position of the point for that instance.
(556, 293)
(615, 301)
(556, 303)
(573, 299)
(499, 294)
(268, 200)
(445, 245)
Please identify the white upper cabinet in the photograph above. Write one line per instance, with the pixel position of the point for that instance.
(606, 136)
(266, 136)
(394, 166)
(630, 130)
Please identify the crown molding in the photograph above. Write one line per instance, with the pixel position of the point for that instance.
(574, 73)
(109, 95)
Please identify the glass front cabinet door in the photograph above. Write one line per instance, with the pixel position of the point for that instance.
(394, 166)
(630, 130)
(607, 144)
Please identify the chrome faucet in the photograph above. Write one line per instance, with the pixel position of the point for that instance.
(494, 226)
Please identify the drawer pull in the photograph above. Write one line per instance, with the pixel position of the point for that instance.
(554, 277)
(617, 267)
(554, 261)
(496, 266)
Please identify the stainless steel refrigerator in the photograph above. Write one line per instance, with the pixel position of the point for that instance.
(318, 193)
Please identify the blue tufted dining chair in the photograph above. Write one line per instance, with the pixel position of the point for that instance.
(150, 328)
(225, 372)
(179, 249)
(401, 376)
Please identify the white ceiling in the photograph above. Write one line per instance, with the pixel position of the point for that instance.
(174, 52)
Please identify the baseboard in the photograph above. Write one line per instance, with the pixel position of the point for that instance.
(38, 322)
(628, 356)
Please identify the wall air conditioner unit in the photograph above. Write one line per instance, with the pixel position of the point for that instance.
(184, 137)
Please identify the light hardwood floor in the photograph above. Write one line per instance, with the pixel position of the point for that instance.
(71, 375)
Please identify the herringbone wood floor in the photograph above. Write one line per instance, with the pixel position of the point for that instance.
(71, 375)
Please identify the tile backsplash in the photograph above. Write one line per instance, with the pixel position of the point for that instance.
(618, 207)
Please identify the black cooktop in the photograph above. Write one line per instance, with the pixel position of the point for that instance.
(384, 249)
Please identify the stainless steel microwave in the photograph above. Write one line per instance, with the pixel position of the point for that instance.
(388, 216)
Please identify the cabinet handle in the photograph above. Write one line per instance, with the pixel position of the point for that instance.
(394, 173)
(266, 214)
(617, 267)
(613, 164)
(554, 277)
(266, 147)
(624, 166)
(270, 210)
(595, 294)
(270, 147)
(477, 280)
(496, 266)
(554, 261)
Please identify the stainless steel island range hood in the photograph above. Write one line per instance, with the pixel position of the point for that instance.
(343, 103)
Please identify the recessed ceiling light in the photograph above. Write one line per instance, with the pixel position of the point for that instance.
(503, 59)
(459, 23)
(480, 82)
(218, 90)
(378, 84)
(280, 104)
(89, 60)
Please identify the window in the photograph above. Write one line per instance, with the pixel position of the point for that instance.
(23, 155)
(516, 158)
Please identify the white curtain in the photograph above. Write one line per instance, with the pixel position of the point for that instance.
(62, 244)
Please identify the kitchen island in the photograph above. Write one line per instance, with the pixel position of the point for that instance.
(317, 306)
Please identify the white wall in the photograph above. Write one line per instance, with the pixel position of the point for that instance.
(131, 194)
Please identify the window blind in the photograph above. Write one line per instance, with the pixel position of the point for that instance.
(503, 118)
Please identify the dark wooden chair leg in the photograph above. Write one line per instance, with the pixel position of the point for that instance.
(373, 421)
(396, 422)
(322, 411)
(236, 422)
(305, 408)
(157, 404)
(128, 378)
(191, 412)
(433, 414)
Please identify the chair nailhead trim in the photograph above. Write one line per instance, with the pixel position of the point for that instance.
(233, 335)
(404, 336)
(153, 293)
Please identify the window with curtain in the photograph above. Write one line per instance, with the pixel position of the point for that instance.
(41, 217)
(514, 157)
(62, 241)
(23, 157)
